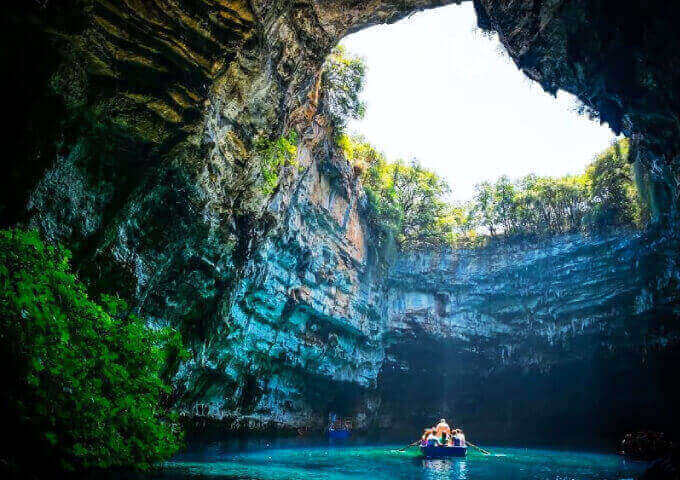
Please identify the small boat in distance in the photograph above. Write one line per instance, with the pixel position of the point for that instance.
(442, 451)
(338, 429)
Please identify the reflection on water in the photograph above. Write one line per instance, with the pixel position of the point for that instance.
(444, 469)
(310, 460)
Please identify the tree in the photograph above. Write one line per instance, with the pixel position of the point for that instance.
(484, 207)
(504, 204)
(415, 198)
(408, 206)
(83, 382)
(342, 81)
(613, 189)
(406, 202)
(604, 197)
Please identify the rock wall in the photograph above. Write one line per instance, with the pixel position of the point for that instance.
(558, 339)
(301, 332)
(573, 326)
(132, 141)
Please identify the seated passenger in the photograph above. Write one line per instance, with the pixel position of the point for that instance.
(432, 440)
(426, 433)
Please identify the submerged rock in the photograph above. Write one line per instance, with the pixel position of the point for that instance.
(645, 445)
(665, 468)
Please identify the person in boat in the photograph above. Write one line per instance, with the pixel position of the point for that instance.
(458, 437)
(443, 427)
(426, 434)
(432, 439)
(443, 430)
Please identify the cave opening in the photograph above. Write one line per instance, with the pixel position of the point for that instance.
(440, 90)
(198, 160)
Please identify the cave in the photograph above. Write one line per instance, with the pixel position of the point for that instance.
(135, 127)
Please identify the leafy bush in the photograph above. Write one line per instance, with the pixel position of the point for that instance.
(84, 382)
(273, 155)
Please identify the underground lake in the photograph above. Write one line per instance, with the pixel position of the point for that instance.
(317, 460)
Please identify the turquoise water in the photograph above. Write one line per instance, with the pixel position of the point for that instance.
(377, 462)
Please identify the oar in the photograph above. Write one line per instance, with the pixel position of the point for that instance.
(478, 448)
(403, 449)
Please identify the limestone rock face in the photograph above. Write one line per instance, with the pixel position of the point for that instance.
(135, 126)
(535, 337)
(301, 329)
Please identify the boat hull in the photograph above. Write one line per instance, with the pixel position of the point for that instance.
(440, 452)
(339, 434)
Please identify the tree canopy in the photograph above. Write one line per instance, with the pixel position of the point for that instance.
(343, 80)
(604, 196)
(408, 204)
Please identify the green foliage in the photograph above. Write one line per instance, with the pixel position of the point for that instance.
(358, 152)
(603, 197)
(84, 381)
(408, 206)
(406, 202)
(532, 205)
(273, 155)
(343, 80)
(614, 193)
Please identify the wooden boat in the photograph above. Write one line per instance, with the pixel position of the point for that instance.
(441, 451)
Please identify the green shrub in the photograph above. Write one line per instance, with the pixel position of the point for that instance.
(273, 155)
(84, 381)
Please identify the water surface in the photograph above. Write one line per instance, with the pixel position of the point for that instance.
(308, 461)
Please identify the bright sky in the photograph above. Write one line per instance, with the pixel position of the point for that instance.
(439, 91)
